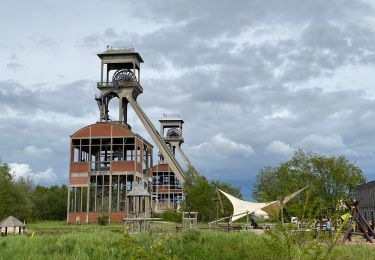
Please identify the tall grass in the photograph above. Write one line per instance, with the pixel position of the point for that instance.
(93, 242)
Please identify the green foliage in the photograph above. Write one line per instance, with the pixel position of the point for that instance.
(103, 218)
(191, 235)
(20, 199)
(171, 215)
(148, 247)
(5, 172)
(49, 203)
(97, 242)
(201, 195)
(14, 196)
(102, 213)
(330, 179)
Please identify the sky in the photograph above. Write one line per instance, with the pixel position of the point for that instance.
(254, 80)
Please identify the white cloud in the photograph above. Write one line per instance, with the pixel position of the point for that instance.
(326, 143)
(296, 77)
(24, 170)
(279, 147)
(34, 151)
(221, 146)
(20, 170)
(282, 113)
(47, 175)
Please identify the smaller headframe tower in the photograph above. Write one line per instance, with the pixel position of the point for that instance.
(171, 131)
(167, 191)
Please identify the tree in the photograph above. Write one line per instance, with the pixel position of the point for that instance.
(330, 180)
(19, 198)
(201, 193)
(49, 203)
(14, 196)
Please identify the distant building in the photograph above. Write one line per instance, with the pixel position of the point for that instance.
(365, 194)
(11, 225)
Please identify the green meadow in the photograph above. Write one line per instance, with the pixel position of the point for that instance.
(57, 240)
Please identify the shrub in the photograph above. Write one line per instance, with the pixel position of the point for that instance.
(103, 219)
(171, 215)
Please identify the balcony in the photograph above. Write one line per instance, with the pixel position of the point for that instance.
(173, 138)
(107, 86)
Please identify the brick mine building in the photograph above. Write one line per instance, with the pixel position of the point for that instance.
(111, 167)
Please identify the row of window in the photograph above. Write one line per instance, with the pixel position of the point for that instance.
(168, 197)
(106, 150)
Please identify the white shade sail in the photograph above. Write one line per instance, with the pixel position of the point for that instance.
(242, 207)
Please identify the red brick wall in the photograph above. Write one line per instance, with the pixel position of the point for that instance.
(79, 180)
(79, 167)
(117, 217)
(84, 132)
(161, 168)
(121, 131)
(122, 166)
(92, 217)
(81, 215)
(103, 129)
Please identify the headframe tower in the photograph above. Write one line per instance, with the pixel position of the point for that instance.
(125, 85)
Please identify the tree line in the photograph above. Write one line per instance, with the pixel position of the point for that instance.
(330, 180)
(202, 196)
(20, 198)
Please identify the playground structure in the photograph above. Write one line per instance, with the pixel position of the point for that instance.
(189, 220)
(363, 226)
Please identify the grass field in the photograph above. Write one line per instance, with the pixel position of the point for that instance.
(57, 240)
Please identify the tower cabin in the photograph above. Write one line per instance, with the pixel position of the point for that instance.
(107, 159)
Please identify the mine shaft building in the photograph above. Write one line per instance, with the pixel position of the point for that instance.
(108, 161)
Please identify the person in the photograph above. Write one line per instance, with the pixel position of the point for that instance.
(350, 228)
(328, 225)
(328, 228)
(369, 229)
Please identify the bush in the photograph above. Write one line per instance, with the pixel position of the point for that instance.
(171, 215)
(103, 219)
(191, 235)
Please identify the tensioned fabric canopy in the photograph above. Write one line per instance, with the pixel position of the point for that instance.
(242, 207)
